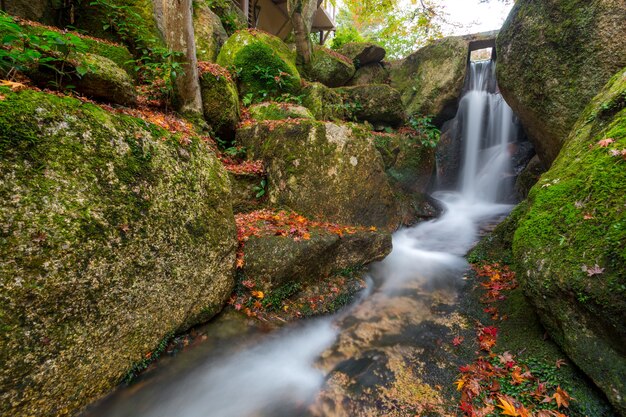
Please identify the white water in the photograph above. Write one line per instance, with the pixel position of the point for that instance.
(281, 371)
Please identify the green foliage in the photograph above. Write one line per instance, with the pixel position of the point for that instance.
(344, 35)
(425, 131)
(21, 50)
(155, 65)
(228, 15)
(260, 189)
(273, 299)
(143, 364)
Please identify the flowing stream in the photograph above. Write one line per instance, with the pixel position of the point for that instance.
(302, 369)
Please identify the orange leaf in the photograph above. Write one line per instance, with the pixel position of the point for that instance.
(561, 397)
(508, 409)
(605, 142)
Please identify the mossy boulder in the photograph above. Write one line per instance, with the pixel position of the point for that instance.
(570, 243)
(103, 79)
(114, 236)
(553, 58)
(378, 104)
(324, 171)
(266, 66)
(114, 51)
(363, 53)
(329, 67)
(278, 111)
(370, 74)
(323, 102)
(430, 80)
(276, 261)
(230, 14)
(209, 32)
(529, 177)
(220, 100)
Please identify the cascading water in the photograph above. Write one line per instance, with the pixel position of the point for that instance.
(281, 376)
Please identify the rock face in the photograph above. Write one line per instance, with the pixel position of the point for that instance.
(529, 177)
(553, 57)
(363, 53)
(38, 10)
(324, 171)
(220, 100)
(209, 33)
(330, 68)
(275, 260)
(114, 236)
(374, 73)
(260, 57)
(278, 111)
(570, 243)
(323, 102)
(430, 80)
(376, 103)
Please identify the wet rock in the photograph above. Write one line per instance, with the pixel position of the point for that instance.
(276, 260)
(323, 171)
(111, 242)
(569, 243)
(376, 103)
(330, 68)
(553, 58)
(529, 177)
(363, 53)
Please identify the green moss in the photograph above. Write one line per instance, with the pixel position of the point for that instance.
(576, 219)
(110, 228)
(324, 103)
(220, 103)
(330, 68)
(278, 111)
(258, 57)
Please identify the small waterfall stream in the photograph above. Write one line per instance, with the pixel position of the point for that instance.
(292, 372)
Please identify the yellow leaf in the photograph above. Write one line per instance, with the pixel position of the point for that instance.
(508, 409)
(258, 294)
(12, 85)
(459, 384)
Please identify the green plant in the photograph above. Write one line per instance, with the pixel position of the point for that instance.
(273, 299)
(21, 50)
(424, 130)
(261, 188)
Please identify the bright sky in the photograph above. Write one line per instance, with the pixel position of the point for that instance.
(475, 16)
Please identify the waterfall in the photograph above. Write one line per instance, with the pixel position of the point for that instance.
(483, 133)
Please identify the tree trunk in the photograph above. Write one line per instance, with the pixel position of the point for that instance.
(301, 13)
(175, 21)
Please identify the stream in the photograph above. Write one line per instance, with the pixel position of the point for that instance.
(382, 354)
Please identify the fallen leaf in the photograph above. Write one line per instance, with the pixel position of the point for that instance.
(560, 362)
(561, 397)
(605, 142)
(457, 340)
(15, 87)
(508, 409)
(459, 384)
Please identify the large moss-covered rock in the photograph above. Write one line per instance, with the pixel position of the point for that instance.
(430, 80)
(323, 102)
(220, 100)
(229, 12)
(275, 261)
(370, 74)
(260, 57)
(209, 32)
(278, 111)
(102, 80)
(113, 236)
(553, 57)
(329, 67)
(570, 243)
(363, 53)
(324, 171)
(375, 103)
